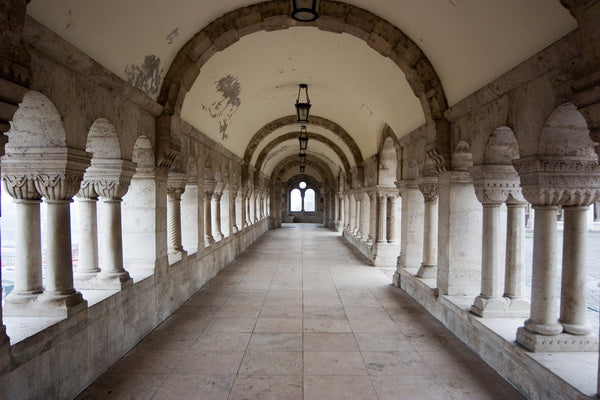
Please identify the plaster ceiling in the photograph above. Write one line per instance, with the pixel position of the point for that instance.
(469, 43)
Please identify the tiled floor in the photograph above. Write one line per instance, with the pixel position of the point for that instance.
(300, 315)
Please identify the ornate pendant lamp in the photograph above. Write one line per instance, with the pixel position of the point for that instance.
(302, 168)
(302, 156)
(303, 107)
(303, 138)
(305, 10)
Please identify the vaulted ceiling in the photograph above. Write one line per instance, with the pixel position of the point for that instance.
(254, 81)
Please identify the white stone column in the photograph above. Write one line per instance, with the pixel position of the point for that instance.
(347, 214)
(216, 216)
(382, 219)
(357, 215)
(365, 213)
(244, 209)
(428, 268)
(574, 272)
(342, 212)
(233, 220)
(174, 219)
(111, 191)
(208, 237)
(411, 229)
(60, 296)
(392, 234)
(87, 266)
(372, 217)
(190, 216)
(513, 275)
(28, 247)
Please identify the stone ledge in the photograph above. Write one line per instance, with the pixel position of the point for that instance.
(563, 342)
(537, 375)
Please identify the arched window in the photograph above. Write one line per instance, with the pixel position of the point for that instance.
(309, 200)
(295, 200)
(302, 198)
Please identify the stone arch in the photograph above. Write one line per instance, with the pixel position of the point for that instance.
(292, 162)
(103, 140)
(143, 153)
(292, 120)
(502, 147)
(565, 133)
(36, 123)
(294, 135)
(388, 163)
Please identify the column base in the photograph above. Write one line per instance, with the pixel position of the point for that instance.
(234, 229)
(427, 271)
(500, 307)
(21, 297)
(563, 342)
(176, 256)
(47, 305)
(208, 241)
(577, 329)
(114, 280)
(386, 254)
(396, 279)
(217, 237)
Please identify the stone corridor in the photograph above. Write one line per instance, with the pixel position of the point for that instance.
(300, 315)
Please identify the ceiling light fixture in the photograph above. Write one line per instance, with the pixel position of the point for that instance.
(305, 10)
(302, 168)
(302, 108)
(302, 156)
(303, 138)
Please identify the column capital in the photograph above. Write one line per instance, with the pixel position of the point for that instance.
(177, 181)
(110, 177)
(21, 187)
(430, 190)
(175, 192)
(87, 190)
(496, 184)
(551, 180)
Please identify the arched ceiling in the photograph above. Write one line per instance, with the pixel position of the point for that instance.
(254, 81)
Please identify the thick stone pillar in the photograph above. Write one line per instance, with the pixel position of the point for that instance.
(244, 209)
(429, 189)
(574, 272)
(190, 216)
(385, 251)
(412, 226)
(87, 267)
(347, 212)
(216, 216)
(208, 194)
(392, 232)
(28, 247)
(460, 221)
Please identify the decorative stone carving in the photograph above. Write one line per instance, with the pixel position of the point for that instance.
(559, 180)
(58, 186)
(494, 184)
(21, 187)
(430, 191)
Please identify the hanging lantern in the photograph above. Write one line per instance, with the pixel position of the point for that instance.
(302, 107)
(305, 10)
(302, 168)
(302, 157)
(303, 138)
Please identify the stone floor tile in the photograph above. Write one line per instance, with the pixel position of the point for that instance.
(324, 312)
(250, 387)
(410, 387)
(374, 325)
(218, 362)
(231, 325)
(366, 313)
(169, 339)
(191, 387)
(123, 386)
(276, 342)
(241, 311)
(338, 387)
(327, 325)
(278, 325)
(329, 342)
(396, 363)
(280, 311)
(221, 341)
(149, 361)
(333, 363)
(391, 341)
(271, 363)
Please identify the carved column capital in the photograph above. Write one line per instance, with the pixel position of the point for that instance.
(87, 190)
(58, 186)
(496, 184)
(21, 187)
(559, 180)
(430, 191)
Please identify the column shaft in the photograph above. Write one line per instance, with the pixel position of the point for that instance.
(112, 260)
(513, 281)
(382, 220)
(59, 264)
(574, 272)
(208, 238)
(88, 237)
(543, 318)
(216, 217)
(28, 255)
(174, 222)
(392, 234)
(357, 216)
